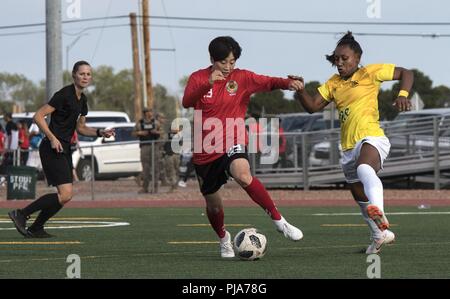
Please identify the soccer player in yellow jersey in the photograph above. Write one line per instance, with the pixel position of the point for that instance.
(355, 93)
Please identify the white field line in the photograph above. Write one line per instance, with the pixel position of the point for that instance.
(392, 213)
(75, 224)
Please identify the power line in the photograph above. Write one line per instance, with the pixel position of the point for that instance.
(302, 22)
(429, 35)
(243, 21)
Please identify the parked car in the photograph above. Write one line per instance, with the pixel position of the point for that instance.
(295, 123)
(91, 117)
(17, 117)
(320, 154)
(107, 116)
(113, 157)
(315, 123)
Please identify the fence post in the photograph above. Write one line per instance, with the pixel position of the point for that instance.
(253, 163)
(154, 179)
(437, 174)
(304, 163)
(93, 172)
(294, 142)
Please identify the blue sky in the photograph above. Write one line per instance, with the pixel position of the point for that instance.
(270, 53)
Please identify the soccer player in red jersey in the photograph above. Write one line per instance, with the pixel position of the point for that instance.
(220, 95)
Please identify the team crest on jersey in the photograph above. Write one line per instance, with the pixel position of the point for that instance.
(232, 87)
(354, 83)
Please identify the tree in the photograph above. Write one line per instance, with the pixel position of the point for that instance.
(385, 100)
(165, 103)
(17, 89)
(110, 91)
(441, 95)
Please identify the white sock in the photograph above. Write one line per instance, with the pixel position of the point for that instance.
(225, 239)
(374, 230)
(373, 188)
(279, 223)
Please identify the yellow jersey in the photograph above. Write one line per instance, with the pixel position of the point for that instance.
(357, 101)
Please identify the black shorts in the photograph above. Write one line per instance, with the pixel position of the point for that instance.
(213, 175)
(57, 166)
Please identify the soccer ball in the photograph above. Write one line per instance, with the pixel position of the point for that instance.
(249, 244)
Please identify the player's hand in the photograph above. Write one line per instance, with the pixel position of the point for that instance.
(216, 75)
(402, 104)
(297, 83)
(56, 145)
(108, 132)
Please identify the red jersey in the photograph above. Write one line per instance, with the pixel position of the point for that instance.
(2, 142)
(219, 120)
(24, 140)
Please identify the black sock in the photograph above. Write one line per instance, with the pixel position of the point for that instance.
(41, 203)
(45, 215)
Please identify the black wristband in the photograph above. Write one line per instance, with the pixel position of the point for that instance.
(98, 133)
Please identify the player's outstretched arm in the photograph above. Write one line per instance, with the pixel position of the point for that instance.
(406, 78)
(88, 131)
(310, 103)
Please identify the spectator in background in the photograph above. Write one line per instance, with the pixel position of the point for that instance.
(160, 149)
(35, 137)
(186, 167)
(11, 141)
(2, 140)
(2, 143)
(171, 161)
(24, 141)
(147, 130)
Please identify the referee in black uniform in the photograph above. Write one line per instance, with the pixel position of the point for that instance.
(68, 108)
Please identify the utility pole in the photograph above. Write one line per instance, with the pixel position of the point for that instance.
(54, 78)
(136, 69)
(148, 71)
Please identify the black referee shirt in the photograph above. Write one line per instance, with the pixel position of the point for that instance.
(68, 108)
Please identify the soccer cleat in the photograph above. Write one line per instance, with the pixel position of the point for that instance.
(19, 220)
(226, 247)
(38, 234)
(387, 237)
(289, 231)
(378, 217)
(182, 184)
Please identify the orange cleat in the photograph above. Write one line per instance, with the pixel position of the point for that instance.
(378, 217)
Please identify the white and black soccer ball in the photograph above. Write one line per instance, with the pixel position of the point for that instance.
(249, 244)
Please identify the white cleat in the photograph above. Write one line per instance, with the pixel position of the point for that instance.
(289, 231)
(388, 237)
(182, 184)
(226, 247)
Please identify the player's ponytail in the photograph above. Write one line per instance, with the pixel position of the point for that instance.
(347, 40)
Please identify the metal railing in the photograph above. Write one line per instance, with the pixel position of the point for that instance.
(419, 148)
